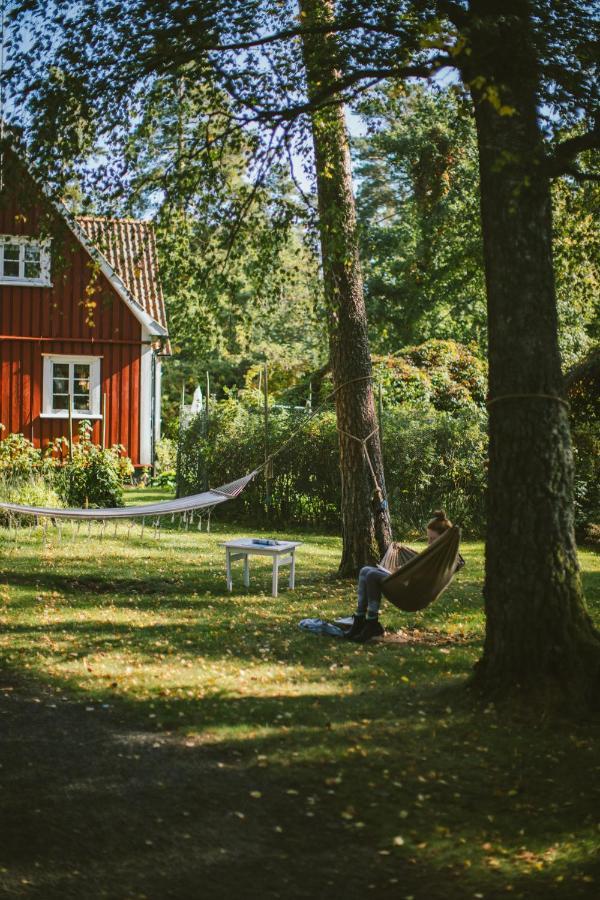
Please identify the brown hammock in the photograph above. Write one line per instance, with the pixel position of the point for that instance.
(426, 575)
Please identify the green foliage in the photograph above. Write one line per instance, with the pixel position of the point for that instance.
(239, 271)
(31, 489)
(165, 455)
(94, 477)
(577, 265)
(305, 487)
(586, 449)
(418, 202)
(441, 372)
(433, 457)
(165, 463)
(434, 443)
(19, 459)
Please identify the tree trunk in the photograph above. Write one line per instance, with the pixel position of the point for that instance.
(539, 636)
(365, 523)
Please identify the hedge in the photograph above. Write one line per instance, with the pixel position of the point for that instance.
(432, 458)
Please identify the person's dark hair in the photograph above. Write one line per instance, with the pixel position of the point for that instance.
(440, 522)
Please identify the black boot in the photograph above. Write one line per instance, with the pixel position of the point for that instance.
(358, 623)
(372, 628)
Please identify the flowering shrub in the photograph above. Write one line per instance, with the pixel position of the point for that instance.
(19, 459)
(93, 477)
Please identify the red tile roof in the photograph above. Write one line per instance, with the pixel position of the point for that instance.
(129, 245)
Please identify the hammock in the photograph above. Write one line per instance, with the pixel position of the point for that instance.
(426, 575)
(206, 500)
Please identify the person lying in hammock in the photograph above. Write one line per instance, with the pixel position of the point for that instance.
(365, 621)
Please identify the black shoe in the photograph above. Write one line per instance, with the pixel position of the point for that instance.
(358, 623)
(372, 628)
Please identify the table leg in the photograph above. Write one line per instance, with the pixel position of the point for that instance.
(228, 569)
(246, 571)
(275, 575)
(292, 581)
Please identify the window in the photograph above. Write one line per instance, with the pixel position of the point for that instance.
(24, 260)
(77, 377)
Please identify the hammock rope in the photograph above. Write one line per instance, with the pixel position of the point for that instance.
(363, 442)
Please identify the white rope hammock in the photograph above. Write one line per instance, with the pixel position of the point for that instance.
(206, 500)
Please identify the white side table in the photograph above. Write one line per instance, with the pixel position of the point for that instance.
(283, 553)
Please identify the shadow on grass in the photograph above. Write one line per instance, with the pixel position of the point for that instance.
(114, 800)
(161, 738)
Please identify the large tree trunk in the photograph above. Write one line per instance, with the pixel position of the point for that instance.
(365, 524)
(539, 636)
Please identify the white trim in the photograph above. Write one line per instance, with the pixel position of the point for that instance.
(23, 241)
(146, 403)
(69, 356)
(157, 400)
(94, 363)
(74, 415)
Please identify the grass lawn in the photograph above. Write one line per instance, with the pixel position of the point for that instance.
(161, 738)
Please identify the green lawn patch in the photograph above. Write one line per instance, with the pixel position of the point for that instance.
(162, 738)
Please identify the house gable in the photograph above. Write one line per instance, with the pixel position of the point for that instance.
(83, 314)
(80, 302)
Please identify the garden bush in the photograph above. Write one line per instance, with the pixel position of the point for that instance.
(94, 477)
(444, 373)
(586, 450)
(166, 455)
(33, 490)
(165, 465)
(305, 486)
(19, 459)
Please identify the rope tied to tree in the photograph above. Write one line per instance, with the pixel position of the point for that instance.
(313, 414)
(502, 397)
(378, 492)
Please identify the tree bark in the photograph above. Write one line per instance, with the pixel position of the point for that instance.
(539, 636)
(365, 523)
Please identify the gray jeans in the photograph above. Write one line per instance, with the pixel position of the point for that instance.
(369, 590)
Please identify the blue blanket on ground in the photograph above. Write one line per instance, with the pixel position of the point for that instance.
(319, 626)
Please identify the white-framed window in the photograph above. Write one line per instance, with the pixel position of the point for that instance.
(75, 377)
(24, 260)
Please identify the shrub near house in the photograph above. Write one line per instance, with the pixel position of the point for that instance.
(93, 477)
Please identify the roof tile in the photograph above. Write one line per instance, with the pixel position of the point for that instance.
(129, 245)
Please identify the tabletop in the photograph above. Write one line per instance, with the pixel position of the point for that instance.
(247, 545)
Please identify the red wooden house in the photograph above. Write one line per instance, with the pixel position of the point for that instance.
(82, 321)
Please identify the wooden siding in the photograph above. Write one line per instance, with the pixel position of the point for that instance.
(38, 320)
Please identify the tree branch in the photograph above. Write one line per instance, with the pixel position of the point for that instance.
(453, 12)
(287, 33)
(559, 163)
(334, 93)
